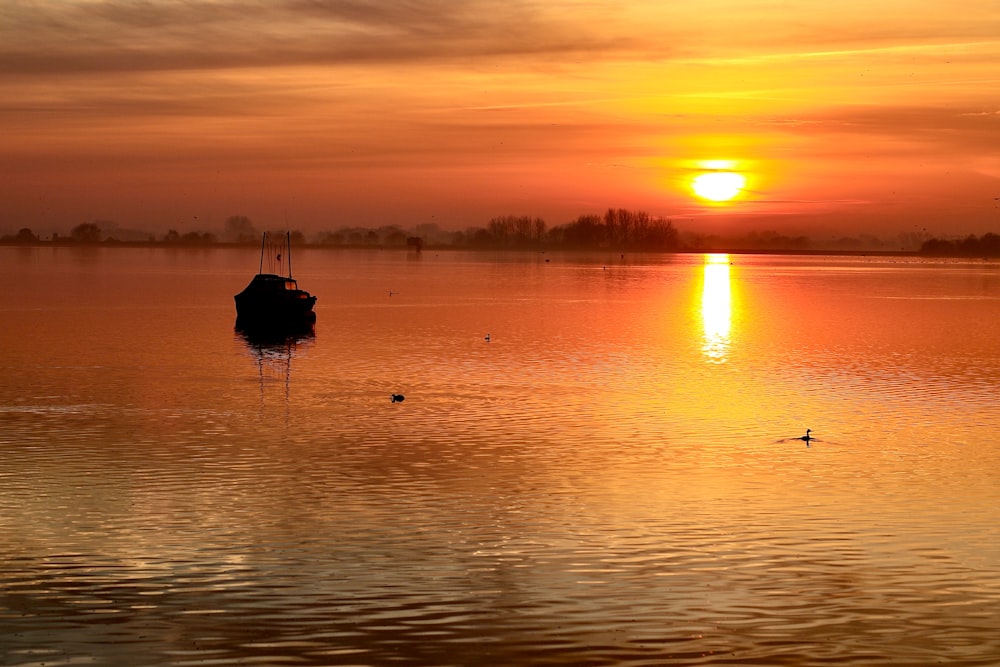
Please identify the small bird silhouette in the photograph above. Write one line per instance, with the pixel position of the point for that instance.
(806, 438)
(397, 398)
(487, 338)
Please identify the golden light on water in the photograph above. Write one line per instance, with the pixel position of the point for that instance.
(716, 307)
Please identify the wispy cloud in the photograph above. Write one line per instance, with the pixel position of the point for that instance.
(67, 36)
(82, 36)
(918, 48)
(963, 130)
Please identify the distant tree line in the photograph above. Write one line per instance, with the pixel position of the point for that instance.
(24, 235)
(361, 237)
(618, 229)
(238, 229)
(987, 245)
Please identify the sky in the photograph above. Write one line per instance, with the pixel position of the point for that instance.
(877, 117)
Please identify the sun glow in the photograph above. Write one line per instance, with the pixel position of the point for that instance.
(718, 186)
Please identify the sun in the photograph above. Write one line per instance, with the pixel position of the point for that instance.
(718, 185)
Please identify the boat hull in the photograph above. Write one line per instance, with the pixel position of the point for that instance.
(274, 303)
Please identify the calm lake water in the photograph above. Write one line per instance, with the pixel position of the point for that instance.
(611, 479)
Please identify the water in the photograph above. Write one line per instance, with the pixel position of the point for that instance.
(611, 479)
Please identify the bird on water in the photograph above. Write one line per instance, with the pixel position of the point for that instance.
(806, 438)
(397, 398)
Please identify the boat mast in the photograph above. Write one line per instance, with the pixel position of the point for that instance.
(262, 239)
(288, 248)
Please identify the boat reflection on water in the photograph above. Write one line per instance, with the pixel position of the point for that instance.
(716, 308)
(273, 351)
(256, 335)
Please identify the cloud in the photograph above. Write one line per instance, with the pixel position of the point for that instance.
(83, 36)
(970, 130)
(53, 37)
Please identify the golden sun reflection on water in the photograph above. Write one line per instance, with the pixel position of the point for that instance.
(716, 307)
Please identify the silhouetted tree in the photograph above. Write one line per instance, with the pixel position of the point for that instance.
(477, 237)
(661, 235)
(25, 235)
(585, 232)
(332, 238)
(912, 240)
(937, 247)
(197, 238)
(393, 236)
(86, 232)
(240, 229)
(988, 245)
(969, 245)
(619, 229)
(518, 231)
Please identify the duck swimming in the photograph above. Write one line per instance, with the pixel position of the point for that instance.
(806, 438)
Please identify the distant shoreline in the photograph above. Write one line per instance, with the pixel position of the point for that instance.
(222, 245)
(616, 231)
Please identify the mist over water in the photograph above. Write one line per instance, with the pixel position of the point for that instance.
(611, 479)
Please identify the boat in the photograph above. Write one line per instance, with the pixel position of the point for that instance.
(273, 302)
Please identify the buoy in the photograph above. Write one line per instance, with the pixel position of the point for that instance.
(397, 398)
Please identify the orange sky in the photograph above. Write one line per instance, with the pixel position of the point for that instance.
(852, 117)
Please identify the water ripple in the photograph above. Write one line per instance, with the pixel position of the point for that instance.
(583, 489)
